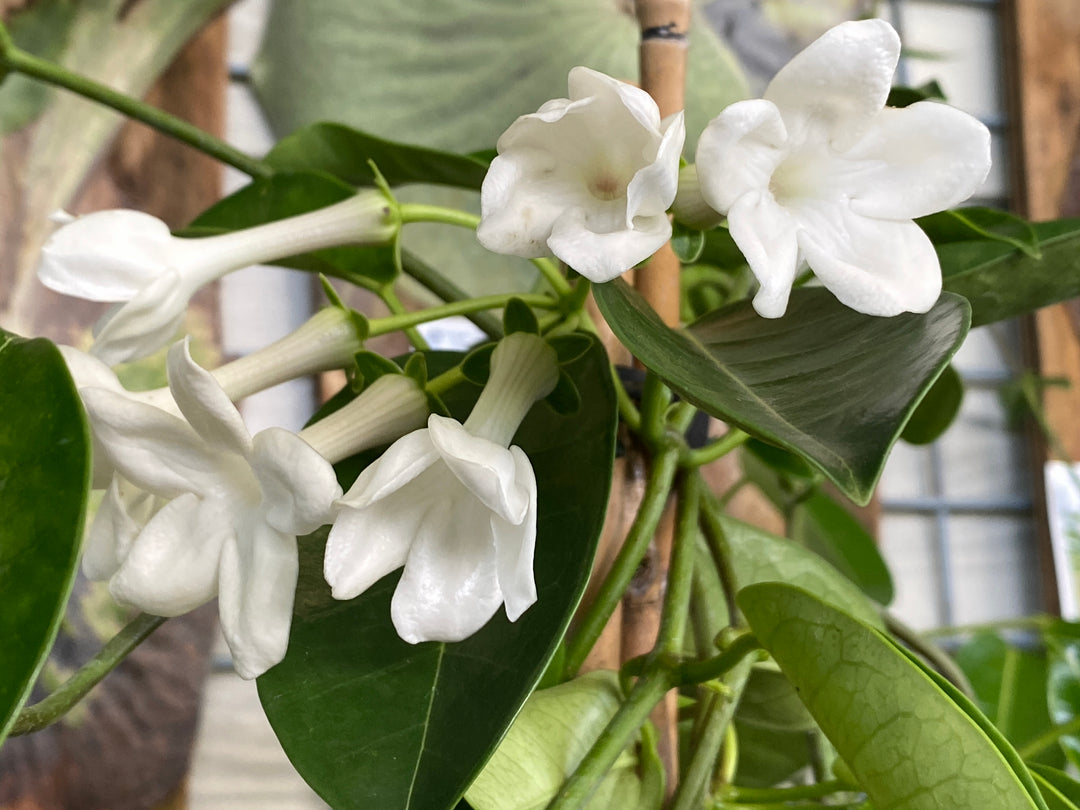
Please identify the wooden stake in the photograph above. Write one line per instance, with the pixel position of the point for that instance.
(664, 28)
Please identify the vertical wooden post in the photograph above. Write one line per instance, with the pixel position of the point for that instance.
(665, 26)
(1042, 49)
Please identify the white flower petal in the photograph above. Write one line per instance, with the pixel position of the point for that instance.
(450, 586)
(738, 152)
(151, 448)
(520, 198)
(923, 158)
(601, 256)
(124, 512)
(106, 256)
(172, 567)
(583, 82)
(486, 469)
(366, 544)
(256, 591)
(403, 461)
(766, 234)
(206, 406)
(88, 371)
(875, 266)
(299, 486)
(515, 544)
(653, 187)
(838, 83)
(145, 323)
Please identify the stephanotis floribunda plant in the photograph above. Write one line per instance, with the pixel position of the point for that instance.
(405, 570)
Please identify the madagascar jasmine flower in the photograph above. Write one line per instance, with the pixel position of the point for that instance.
(130, 257)
(233, 507)
(454, 504)
(587, 179)
(819, 170)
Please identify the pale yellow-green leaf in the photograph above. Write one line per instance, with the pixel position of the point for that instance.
(907, 743)
(550, 736)
(758, 556)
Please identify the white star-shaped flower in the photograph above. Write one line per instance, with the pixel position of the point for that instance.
(455, 505)
(233, 507)
(819, 170)
(587, 179)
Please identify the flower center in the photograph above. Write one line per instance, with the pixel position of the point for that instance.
(606, 186)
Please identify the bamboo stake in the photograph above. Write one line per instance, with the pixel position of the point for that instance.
(664, 27)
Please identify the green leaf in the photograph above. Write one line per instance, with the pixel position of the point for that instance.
(831, 531)
(1060, 791)
(289, 194)
(900, 96)
(551, 735)
(828, 383)
(755, 555)
(1010, 685)
(455, 77)
(991, 224)
(1003, 282)
(937, 410)
(345, 153)
(519, 317)
(1063, 688)
(688, 243)
(905, 739)
(43, 30)
(44, 479)
(371, 721)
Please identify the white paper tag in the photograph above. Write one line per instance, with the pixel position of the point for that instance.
(1063, 515)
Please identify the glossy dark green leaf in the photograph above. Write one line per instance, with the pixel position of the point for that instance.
(906, 740)
(1010, 685)
(1002, 282)
(900, 96)
(370, 721)
(288, 194)
(828, 383)
(831, 531)
(937, 410)
(344, 152)
(991, 224)
(44, 478)
(1058, 788)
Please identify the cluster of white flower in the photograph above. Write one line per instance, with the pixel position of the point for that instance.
(818, 171)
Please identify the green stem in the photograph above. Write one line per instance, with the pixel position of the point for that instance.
(61, 701)
(681, 568)
(448, 379)
(628, 411)
(743, 647)
(405, 320)
(1047, 739)
(746, 795)
(934, 655)
(554, 276)
(698, 776)
(414, 212)
(434, 281)
(398, 310)
(626, 563)
(655, 398)
(20, 61)
(714, 450)
(647, 692)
